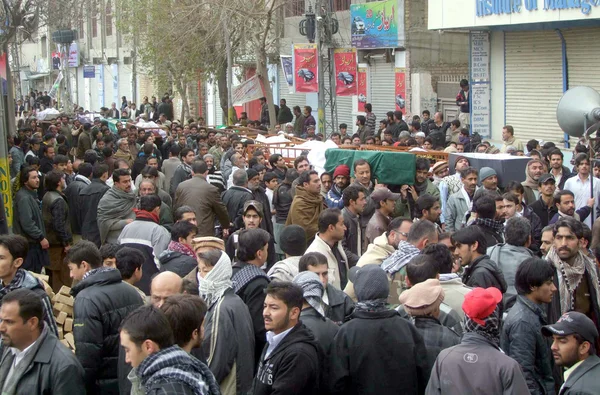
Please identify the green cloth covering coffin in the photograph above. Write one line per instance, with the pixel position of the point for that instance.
(393, 168)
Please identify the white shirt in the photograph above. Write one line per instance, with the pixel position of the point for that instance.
(581, 190)
(19, 355)
(274, 340)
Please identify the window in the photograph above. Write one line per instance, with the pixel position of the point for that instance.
(108, 19)
(44, 43)
(341, 5)
(294, 8)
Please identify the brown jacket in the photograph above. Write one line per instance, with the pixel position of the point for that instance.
(305, 210)
(206, 202)
(120, 154)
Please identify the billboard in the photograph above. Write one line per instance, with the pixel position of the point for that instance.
(377, 24)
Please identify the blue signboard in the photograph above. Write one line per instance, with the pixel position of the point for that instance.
(377, 24)
(89, 71)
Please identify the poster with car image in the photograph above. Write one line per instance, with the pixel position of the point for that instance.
(305, 68)
(362, 88)
(400, 90)
(345, 71)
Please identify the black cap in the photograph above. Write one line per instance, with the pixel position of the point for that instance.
(544, 178)
(571, 323)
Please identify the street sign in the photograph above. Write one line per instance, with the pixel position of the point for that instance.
(89, 71)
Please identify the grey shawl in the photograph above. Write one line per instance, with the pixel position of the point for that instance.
(114, 206)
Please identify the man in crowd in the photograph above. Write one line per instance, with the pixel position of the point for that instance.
(579, 184)
(146, 188)
(486, 213)
(521, 337)
(128, 262)
(427, 207)
(170, 165)
(179, 257)
(341, 179)
(101, 302)
(574, 342)
(292, 242)
(533, 172)
(34, 360)
(82, 179)
(123, 151)
(328, 241)
(29, 221)
(55, 211)
(235, 196)
(477, 362)
(560, 173)
(362, 178)
(183, 171)
(159, 365)
(470, 246)
(509, 139)
(460, 203)
(355, 361)
(544, 207)
(547, 240)
(576, 275)
(354, 201)
(385, 202)
(164, 285)
(292, 361)
(13, 250)
(91, 195)
(204, 198)
(565, 203)
(249, 281)
(115, 209)
(488, 178)
(307, 204)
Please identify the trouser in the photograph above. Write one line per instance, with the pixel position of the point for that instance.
(36, 259)
(465, 119)
(58, 269)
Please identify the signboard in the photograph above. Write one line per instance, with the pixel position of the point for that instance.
(100, 85)
(89, 71)
(345, 71)
(288, 70)
(377, 24)
(305, 68)
(55, 60)
(486, 7)
(73, 59)
(480, 83)
(249, 90)
(363, 96)
(400, 90)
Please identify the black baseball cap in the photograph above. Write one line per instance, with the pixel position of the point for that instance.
(571, 323)
(544, 178)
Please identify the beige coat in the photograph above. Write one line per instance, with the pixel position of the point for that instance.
(319, 245)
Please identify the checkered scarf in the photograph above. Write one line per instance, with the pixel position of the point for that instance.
(173, 364)
(312, 290)
(490, 330)
(400, 258)
(245, 275)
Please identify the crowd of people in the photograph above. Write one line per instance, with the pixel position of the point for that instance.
(200, 267)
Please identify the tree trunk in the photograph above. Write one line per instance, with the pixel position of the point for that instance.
(222, 87)
(263, 75)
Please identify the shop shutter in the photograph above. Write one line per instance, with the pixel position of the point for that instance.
(582, 56)
(533, 78)
(343, 105)
(292, 99)
(382, 89)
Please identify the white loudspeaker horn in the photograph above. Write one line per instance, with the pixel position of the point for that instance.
(578, 111)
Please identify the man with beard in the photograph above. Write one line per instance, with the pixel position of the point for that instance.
(354, 203)
(544, 207)
(214, 176)
(307, 204)
(573, 347)
(534, 170)
(488, 178)
(115, 209)
(565, 203)
(561, 173)
(428, 207)
(580, 185)
(576, 275)
(259, 194)
(460, 203)
(146, 188)
(341, 178)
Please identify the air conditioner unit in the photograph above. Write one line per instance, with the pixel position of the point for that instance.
(96, 60)
(127, 60)
(112, 60)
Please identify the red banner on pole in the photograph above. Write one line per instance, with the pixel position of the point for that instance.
(362, 88)
(345, 71)
(305, 68)
(400, 95)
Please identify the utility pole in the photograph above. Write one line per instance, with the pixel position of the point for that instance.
(320, 71)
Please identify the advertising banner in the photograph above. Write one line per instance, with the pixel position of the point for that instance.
(73, 59)
(400, 90)
(89, 72)
(376, 24)
(288, 70)
(345, 71)
(249, 90)
(305, 68)
(55, 60)
(363, 97)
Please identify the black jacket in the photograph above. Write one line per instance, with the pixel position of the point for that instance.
(323, 329)
(585, 379)
(253, 294)
(284, 116)
(378, 353)
(536, 228)
(340, 305)
(28, 216)
(91, 195)
(484, 273)
(293, 367)
(566, 174)
(350, 241)
(176, 262)
(282, 201)
(53, 370)
(102, 301)
(234, 199)
(75, 207)
(436, 337)
(523, 341)
(545, 213)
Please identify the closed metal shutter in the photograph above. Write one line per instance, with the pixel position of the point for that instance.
(343, 106)
(583, 64)
(382, 88)
(533, 80)
(292, 99)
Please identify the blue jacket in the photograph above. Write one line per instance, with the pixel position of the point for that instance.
(334, 198)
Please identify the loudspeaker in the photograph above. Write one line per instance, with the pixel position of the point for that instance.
(577, 109)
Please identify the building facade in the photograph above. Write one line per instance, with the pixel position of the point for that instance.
(524, 55)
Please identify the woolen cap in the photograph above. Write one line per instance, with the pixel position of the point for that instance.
(439, 166)
(570, 323)
(370, 282)
(251, 173)
(486, 172)
(208, 242)
(292, 240)
(423, 298)
(480, 303)
(341, 170)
